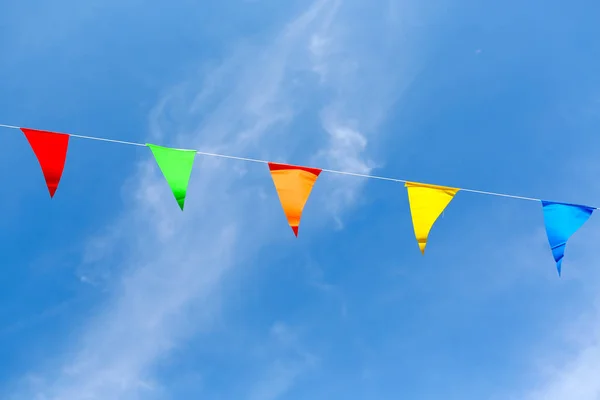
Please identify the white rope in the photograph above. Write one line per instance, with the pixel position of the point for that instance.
(108, 140)
(382, 178)
(9, 126)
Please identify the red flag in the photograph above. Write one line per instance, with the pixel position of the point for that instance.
(50, 148)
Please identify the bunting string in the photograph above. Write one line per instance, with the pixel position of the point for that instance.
(294, 185)
(332, 171)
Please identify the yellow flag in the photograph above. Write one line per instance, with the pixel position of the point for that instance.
(427, 202)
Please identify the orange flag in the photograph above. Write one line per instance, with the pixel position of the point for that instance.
(293, 185)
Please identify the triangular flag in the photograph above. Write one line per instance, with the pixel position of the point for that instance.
(427, 202)
(50, 148)
(293, 185)
(176, 166)
(562, 221)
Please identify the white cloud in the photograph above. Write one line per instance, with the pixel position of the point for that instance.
(165, 268)
(565, 361)
(572, 369)
(281, 372)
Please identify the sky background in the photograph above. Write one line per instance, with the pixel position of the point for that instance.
(109, 291)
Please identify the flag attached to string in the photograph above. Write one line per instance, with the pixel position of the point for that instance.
(562, 221)
(293, 185)
(176, 166)
(50, 148)
(427, 202)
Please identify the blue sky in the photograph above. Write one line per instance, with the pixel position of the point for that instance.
(110, 292)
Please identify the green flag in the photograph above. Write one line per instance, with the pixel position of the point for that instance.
(176, 166)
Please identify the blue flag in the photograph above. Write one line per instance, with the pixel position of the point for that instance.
(562, 221)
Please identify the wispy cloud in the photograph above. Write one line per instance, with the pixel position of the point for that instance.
(571, 369)
(162, 264)
(566, 363)
(282, 371)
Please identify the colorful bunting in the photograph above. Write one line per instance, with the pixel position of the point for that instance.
(176, 166)
(50, 148)
(293, 185)
(562, 221)
(427, 202)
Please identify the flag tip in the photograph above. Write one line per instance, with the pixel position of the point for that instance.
(559, 267)
(52, 190)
